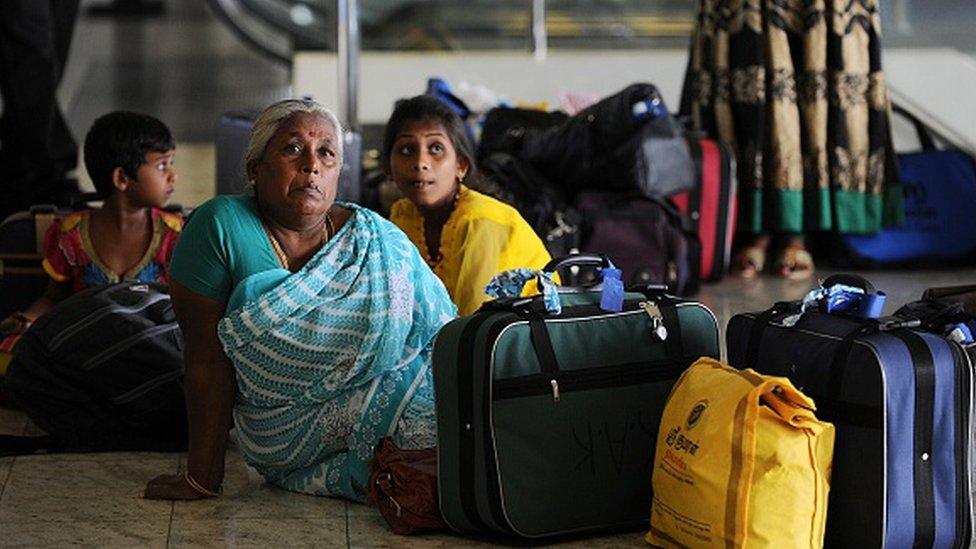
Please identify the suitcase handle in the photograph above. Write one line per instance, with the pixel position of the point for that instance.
(853, 280)
(579, 260)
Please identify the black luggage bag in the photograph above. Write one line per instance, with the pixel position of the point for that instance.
(102, 371)
(901, 401)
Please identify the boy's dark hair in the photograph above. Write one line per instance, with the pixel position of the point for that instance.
(427, 107)
(121, 139)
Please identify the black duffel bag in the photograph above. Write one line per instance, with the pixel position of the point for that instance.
(102, 371)
(607, 146)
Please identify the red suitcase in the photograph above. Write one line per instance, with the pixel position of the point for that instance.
(711, 205)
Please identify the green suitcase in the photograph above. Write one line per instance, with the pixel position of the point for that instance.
(547, 424)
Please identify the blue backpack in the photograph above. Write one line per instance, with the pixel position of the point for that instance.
(940, 198)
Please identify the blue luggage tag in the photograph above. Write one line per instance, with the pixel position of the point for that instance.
(612, 296)
(960, 333)
(871, 305)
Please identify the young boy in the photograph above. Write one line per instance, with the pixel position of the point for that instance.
(129, 157)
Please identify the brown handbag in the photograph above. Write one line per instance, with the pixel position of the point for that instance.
(403, 486)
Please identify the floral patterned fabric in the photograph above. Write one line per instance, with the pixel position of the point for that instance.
(333, 357)
(796, 88)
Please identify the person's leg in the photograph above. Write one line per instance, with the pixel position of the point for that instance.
(794, 261)
(32, 150)
(750, 260)
(54, 186)
(26, 73)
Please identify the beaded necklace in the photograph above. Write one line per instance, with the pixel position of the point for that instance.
(327, 234)
(435, 260)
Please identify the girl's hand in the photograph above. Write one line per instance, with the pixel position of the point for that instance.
(170, 487)
(16, 323)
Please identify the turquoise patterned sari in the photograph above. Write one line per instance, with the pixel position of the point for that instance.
(333, 357)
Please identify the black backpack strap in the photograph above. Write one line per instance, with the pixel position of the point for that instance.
(759, 326)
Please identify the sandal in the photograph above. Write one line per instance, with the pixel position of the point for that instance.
(749, 262)
(794, 263)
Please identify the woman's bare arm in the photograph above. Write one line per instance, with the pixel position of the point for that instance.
(19, 322)
(210, 388)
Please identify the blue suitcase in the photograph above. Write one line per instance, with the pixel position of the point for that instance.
(901, 401)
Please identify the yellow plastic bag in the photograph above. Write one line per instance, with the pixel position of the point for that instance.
(741, 461)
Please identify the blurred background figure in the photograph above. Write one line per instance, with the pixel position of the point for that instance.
(37, 151)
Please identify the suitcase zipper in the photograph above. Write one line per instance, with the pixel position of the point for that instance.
(570, 381)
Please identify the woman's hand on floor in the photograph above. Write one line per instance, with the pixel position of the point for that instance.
(170, 487)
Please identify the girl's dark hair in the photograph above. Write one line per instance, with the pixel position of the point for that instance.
(121, 139)
(429, 108)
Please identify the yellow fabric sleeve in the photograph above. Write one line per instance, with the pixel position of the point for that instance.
(483, 237)
(480, 255)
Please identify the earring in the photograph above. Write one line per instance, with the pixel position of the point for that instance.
(250, 182)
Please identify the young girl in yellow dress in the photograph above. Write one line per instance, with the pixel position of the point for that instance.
(465, 236)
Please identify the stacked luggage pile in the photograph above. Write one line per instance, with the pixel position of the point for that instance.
(621, 177)
(831, 425)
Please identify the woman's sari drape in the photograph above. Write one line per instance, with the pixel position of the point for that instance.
(333, 357)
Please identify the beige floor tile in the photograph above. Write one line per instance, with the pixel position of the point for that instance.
(150, 533)
(234, 532)
(371, 531)
(247, 496)
(82, 490)
(168, 461)
(6, 464)
(368, 529)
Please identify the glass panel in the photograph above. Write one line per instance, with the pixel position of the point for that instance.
(929, 24)
(619, 24)
(570, 24)
(463, 24)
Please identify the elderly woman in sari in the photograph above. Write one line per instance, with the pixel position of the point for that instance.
(308, 323)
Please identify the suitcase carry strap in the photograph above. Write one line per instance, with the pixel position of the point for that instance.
(759, 327)
(546, 355)
(924, 410)
(924, 416)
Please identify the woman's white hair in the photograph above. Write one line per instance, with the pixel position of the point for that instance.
(271, 119)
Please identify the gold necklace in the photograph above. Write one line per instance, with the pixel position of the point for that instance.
(327, 234)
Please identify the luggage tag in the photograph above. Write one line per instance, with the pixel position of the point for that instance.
(658, 330)
(612, 295)
(550, 293)
(960, 333)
